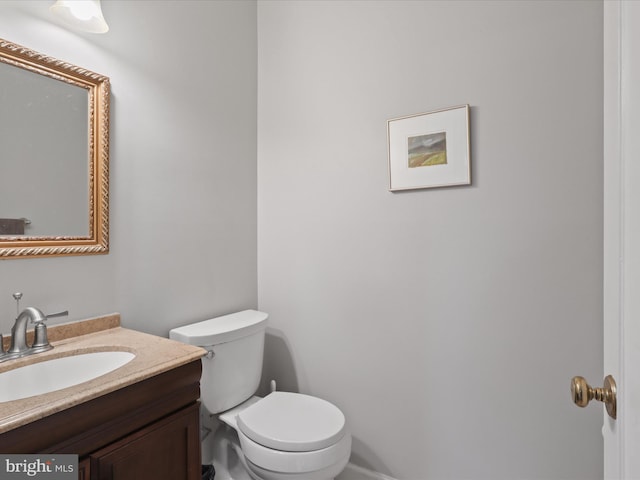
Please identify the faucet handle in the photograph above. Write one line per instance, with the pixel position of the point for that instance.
(58, 314)
(40, 339)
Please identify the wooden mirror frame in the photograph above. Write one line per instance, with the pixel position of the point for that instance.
(98, 88)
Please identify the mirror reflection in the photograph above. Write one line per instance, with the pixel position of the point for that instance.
(54, 137)
(44, 147)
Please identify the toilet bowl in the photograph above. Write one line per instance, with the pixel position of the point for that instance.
(282, 436)
(291, 435)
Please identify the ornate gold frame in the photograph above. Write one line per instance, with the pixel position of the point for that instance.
(98, 87)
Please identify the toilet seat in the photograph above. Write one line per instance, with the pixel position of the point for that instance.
(292, 422)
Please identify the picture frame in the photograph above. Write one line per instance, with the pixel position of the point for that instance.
(429, 150)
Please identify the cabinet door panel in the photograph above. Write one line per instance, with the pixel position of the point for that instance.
(166, 450)
(84, 469)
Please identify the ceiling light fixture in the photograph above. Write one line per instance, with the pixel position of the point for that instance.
(85, 15)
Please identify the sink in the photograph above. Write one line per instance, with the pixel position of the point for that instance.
(58, 373)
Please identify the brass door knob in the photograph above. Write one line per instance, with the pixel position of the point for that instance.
(583, 393)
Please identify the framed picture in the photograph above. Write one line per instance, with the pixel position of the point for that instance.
(429, 149)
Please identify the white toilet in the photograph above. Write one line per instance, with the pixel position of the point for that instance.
(283, 436)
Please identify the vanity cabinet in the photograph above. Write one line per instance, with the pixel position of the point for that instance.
(84, 469)
(161, 450)
(145, 431)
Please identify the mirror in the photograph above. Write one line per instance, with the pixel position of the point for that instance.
(54, 156)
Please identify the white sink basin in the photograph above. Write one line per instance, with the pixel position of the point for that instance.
(58, 373)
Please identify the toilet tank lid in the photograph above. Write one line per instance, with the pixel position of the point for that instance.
(221, 329)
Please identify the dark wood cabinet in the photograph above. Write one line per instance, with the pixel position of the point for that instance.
(84, 469)
(146, 431)
(169, 448)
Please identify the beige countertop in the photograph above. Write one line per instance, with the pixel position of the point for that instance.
(154, 355)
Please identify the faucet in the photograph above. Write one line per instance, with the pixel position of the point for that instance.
(19, 347)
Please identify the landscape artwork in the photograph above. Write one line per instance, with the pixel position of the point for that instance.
(427, 150)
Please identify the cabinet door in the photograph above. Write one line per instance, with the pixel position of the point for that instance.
(84, 469)
(166, 450)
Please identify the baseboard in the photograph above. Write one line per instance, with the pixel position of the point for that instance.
(354, 472)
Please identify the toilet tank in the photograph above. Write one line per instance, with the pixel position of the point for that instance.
(231, 374)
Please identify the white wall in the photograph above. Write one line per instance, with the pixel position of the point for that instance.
(183, 164)
(445, 323)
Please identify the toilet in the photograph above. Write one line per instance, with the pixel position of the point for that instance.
(282, 436)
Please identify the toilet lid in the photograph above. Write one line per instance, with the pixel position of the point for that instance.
(292, 422)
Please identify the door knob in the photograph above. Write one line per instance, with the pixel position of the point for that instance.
(583, 393)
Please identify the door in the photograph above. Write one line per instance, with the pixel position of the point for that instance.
(622, 234)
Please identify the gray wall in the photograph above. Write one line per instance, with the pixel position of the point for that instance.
(445, 323)
(183, 164)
